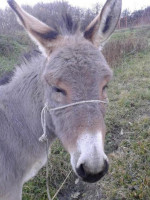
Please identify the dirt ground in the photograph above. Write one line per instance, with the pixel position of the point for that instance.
(78, 190)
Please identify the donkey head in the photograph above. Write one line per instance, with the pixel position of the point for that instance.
(75, 71)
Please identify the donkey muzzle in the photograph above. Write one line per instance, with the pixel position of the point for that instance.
(89, 161)
(89, 177)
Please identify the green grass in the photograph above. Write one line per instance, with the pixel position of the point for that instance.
(59, 167)
(11, 48)
(128, 127)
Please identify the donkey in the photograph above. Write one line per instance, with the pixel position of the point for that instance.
(73, 71)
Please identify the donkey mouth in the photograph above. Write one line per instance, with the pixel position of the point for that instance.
(91, 178)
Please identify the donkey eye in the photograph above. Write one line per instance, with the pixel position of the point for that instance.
(59, 90)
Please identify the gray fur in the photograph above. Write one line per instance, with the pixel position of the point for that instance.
(20, 127)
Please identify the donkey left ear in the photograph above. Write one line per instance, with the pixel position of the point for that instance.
(100, 29)
(45, 36)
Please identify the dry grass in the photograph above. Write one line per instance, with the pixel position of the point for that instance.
(125, 44)
(116, 50)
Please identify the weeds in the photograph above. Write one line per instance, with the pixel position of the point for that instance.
(128, 124)
(125, 44)
(12, 48)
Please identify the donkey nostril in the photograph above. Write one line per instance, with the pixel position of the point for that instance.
(106, 166)
(92, 177)
(81, 171)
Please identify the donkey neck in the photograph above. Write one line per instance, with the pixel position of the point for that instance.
(24, 95)
(26, 87)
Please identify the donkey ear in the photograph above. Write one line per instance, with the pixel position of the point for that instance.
(100, 29)
(45, 36)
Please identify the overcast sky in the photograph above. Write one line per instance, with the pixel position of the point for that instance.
(129, 4)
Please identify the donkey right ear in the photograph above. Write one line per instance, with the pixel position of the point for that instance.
(100, 29)
(45, 36)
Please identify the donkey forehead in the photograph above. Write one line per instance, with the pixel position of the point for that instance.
(78, 59)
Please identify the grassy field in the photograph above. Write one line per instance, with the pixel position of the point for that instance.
(128, 135)
(12, 49)
(128, 127)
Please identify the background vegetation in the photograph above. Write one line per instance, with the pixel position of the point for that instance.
(49, 12)
(128, 116)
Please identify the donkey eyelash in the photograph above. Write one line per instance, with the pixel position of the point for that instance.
(59, 90)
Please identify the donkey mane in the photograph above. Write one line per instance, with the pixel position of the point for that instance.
(64, 24)
(26, 60)
(26, 72)
(6, 78)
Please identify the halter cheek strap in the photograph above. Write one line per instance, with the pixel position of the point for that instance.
(76, 103)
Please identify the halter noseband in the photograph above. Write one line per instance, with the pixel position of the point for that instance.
(43, 119)
(76, 103)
